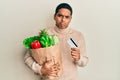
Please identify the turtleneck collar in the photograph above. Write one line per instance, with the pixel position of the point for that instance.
(62, 31)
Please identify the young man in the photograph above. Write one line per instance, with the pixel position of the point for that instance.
(71, 57)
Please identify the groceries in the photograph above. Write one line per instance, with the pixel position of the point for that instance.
(41, 41)
(45, 47)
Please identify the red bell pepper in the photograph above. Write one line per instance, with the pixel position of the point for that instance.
(35, 44)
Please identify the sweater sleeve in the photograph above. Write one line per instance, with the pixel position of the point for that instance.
(83, 54)
(29, 61)
(83, 61)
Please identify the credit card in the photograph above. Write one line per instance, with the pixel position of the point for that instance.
(72, 43)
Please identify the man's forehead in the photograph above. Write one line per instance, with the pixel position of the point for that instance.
(64, 11)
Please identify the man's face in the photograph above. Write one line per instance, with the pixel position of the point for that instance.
(63, 18)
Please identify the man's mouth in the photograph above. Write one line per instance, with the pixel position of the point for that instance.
(62, 23)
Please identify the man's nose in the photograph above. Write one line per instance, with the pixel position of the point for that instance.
(63, 18)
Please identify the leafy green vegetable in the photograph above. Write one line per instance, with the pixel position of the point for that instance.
(44, 39)
(43, 32)
(55, 39)
(27, 41)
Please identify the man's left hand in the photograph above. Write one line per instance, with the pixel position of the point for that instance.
(75, 52)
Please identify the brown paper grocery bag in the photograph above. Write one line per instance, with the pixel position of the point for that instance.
(41, 55)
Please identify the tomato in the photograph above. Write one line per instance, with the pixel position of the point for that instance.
(35, 44)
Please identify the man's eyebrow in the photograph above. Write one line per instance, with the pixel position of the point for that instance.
(62, 15)
(68, 16)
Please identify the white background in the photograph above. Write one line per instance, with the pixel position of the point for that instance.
(98, 20)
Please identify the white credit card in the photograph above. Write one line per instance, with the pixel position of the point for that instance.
(72, 43)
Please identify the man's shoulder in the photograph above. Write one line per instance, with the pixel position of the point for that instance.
(74, 31)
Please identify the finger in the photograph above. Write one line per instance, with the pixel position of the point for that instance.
(58, 66)
(74, 53)
(76, 57)
(74, 49)
(53, 75)
(55, 69)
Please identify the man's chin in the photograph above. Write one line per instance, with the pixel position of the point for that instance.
(62, 27)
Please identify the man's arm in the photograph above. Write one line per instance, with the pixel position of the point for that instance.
(83, 61)
(48, 69)
(79, 59)
(31, 63)
(83, 53)
(79, 54)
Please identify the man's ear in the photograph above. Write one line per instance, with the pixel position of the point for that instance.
(70, 18)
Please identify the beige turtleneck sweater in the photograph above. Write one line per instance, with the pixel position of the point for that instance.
(69, 65)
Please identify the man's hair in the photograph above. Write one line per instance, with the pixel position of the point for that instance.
(63, 5)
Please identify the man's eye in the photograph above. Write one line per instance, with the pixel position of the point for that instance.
(67, 16)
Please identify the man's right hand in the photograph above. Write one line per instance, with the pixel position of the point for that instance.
(50, 69)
